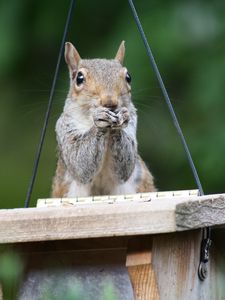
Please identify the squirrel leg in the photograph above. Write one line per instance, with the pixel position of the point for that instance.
(123, 145)
(123, 150)
(82, 153)
(84, 156)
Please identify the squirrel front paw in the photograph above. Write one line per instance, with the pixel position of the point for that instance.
(104, 117)
(123, 118)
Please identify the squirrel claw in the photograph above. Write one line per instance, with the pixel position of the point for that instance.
(104, 117)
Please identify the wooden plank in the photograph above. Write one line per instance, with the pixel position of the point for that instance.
(140, 268)
(88, 220)
(99, 220)
(217, 265)
(143, 282)
(175, 259)
(209, 211)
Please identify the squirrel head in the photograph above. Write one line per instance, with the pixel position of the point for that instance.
(98, 82)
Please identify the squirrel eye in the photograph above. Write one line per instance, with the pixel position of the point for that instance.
(80, 78)
(128, 78)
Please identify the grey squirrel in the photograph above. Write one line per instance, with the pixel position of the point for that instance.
(96, 133)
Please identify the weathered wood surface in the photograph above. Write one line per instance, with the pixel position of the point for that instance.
(217, 265)
(196, 214)
(168, 273)
(105, 220)
(175, 260)
(143, 282)
(87, 220)
(140, 268)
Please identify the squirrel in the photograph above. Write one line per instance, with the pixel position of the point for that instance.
(96, 133)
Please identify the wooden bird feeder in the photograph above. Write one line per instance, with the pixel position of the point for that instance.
(146, 245)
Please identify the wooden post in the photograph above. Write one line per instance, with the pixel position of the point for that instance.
(175, 261)
(139, 263)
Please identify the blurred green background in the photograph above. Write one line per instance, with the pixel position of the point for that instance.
(188, 41)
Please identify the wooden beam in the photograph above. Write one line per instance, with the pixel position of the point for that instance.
(86, 221)
(175, 260)
(209, 211)
(105, 220)
(140, 269)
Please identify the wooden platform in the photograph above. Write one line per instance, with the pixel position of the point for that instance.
(148, 246)
(97, 219)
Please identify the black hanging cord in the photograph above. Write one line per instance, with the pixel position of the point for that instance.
(206, 232)
(166, 96)
(47, 114)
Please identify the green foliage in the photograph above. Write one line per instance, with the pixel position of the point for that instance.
(11, 269)
(187, 38)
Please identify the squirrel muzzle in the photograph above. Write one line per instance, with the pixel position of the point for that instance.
(109, 101)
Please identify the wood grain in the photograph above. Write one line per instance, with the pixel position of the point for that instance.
(175, 259)
(217, 265)
(88, 220)
(196, 214)
(143, 282)
(140, 268)
(105, 220)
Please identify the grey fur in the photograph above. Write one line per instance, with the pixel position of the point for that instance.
(123, 150)
(96, 132)
(82, 153)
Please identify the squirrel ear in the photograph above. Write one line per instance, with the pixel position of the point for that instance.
(121, 52)
(72, 57)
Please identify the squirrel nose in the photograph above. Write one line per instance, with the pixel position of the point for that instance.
(111, 107)
(109, 102)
